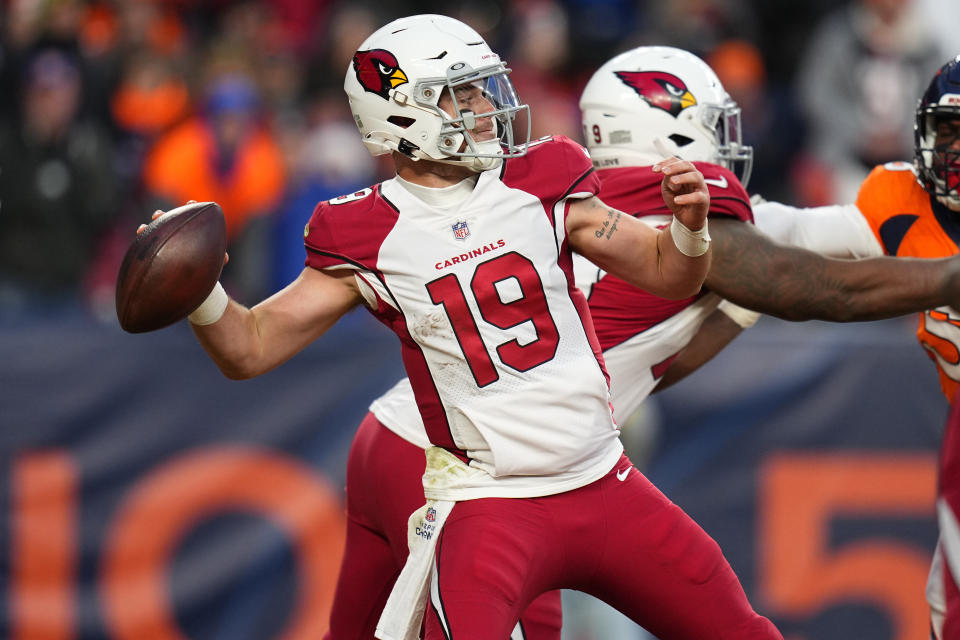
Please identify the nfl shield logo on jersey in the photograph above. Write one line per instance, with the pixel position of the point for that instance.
(460, 230)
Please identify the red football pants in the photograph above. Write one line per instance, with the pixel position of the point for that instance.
(384, 487)
(618, 539)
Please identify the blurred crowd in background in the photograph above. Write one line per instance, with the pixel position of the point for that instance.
(114, 108)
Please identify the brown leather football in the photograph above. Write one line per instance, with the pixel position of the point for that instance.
(171, 267)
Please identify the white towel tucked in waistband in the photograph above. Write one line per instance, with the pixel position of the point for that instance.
(403, 613)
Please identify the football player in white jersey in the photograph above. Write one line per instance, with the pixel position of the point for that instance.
(649, 99)
(467, 255)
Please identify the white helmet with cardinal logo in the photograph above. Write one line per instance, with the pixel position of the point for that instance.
(397, 77)
(653, 98)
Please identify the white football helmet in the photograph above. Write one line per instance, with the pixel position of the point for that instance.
(650, 98)
(395, 81)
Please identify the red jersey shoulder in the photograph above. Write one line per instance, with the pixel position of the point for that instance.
(553, 167)
(633, 190)
(329, 215)
(636, 190)
(348, 228)
(728, 197)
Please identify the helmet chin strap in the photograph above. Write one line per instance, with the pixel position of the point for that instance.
(477, 164)
(484, 164)
(474, 163)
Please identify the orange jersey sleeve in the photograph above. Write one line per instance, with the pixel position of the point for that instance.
(899, 213)
(908, 224)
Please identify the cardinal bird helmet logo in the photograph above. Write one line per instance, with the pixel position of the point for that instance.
(378, 71)
(659, 89)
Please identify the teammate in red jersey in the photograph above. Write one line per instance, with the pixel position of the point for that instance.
(640, 332)
(653, 97)
(467, 255)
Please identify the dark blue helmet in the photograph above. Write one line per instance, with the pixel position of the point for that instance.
(938, 162)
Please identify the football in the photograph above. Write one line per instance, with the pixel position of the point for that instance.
(171, 267)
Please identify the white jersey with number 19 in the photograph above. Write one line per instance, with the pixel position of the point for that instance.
(496, 339)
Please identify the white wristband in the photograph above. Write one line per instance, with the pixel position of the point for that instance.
(211, 309)
(743, 317)
(690, 243)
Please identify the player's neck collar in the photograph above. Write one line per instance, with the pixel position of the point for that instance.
(442, 197)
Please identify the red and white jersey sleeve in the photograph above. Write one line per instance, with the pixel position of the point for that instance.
(639, 333)
(496, 340)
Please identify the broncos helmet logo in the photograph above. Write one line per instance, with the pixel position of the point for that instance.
(659, 89)
(378, 71)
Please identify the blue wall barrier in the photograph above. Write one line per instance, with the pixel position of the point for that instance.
(145, 496)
